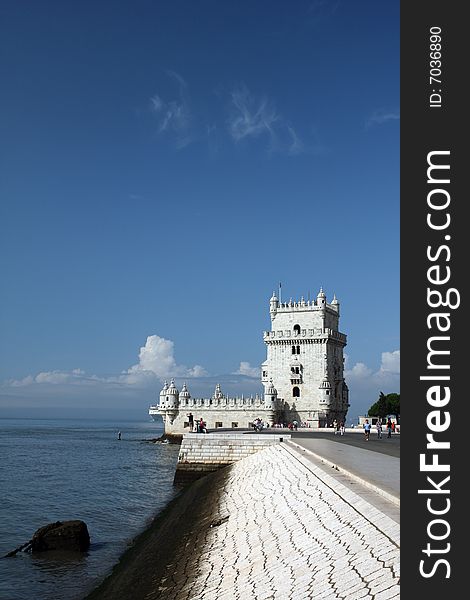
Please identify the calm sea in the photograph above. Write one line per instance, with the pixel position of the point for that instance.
(52, 470)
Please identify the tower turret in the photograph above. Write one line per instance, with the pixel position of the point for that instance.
(335, 303)
(270, 402)
(184, 395)
(321, 298)
(163, 394)
(218, 394)
(172, 396)
(273, 305)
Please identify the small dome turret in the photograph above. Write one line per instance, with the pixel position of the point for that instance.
(172, 389)
(321, 298)
(271, 389)
(217, 392)
(335, 303)
(273, 305)
(184, 394)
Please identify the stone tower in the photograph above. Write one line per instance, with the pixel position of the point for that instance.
(305, 361)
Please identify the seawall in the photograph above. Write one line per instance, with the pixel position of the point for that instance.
(201, 454)
(270, 526)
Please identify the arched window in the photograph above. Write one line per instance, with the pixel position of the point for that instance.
(297, 329)
(296, 392)
(298, 349)
(293, 349)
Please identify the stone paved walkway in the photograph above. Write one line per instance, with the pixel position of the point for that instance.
(282, 531)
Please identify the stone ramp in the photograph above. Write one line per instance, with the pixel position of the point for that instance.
(280, 531)
(271, 526)
(378, 471)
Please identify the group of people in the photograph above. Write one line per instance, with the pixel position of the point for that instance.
(198, 426)
(339, 427)
(258, 424)
(390, 427)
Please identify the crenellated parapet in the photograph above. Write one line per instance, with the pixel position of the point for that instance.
(239, 411)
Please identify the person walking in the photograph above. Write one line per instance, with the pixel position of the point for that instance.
(367, 428)
(389, 428)
(379, 429)
(191, 421)
(342, 428)
(119, 435)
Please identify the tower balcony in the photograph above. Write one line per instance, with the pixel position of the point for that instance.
(315, 334)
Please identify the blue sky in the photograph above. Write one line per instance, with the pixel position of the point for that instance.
(164, 166)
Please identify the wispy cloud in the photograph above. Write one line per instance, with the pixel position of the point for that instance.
(256, 117)
(251, 117)
(174, 116)
(381, 116)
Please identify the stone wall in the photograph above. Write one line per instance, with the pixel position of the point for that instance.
(202, 453)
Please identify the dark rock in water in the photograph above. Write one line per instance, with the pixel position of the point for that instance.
(170, 438)
(62, 535)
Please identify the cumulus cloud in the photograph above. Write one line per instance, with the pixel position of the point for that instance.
(390, 362)
(365, 384)
(157, 357)
(156, 361)
(247, 370)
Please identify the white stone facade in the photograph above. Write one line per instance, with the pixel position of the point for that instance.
(305, 360)
(302, 376)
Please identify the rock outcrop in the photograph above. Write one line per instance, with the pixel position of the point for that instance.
(61, 535)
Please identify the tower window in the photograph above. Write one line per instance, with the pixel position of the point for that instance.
(297, 329)
(298, 349)
(296, 392)
(293, 350)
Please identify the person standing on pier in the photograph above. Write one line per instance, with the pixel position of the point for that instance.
(191, 421)
(367, 430)
(379, 429)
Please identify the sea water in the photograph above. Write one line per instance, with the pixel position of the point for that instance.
(55, 470)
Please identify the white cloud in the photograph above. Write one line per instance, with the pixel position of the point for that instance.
(250, 116)
(296, 146)
(253, 117)
(174, 116)
(247, 370)
(157, 357)
(381, 116)
(391, 362)
(359, 370)
(156, 362)
(365, 384)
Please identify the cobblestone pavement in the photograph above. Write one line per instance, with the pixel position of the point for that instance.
(282, 532)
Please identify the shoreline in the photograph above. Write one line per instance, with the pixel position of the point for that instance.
(171, 536)
(274, 525)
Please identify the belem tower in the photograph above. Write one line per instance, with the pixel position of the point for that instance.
(302, 376)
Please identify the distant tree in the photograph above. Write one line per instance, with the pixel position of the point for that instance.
(393, 401)
(386, 405)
